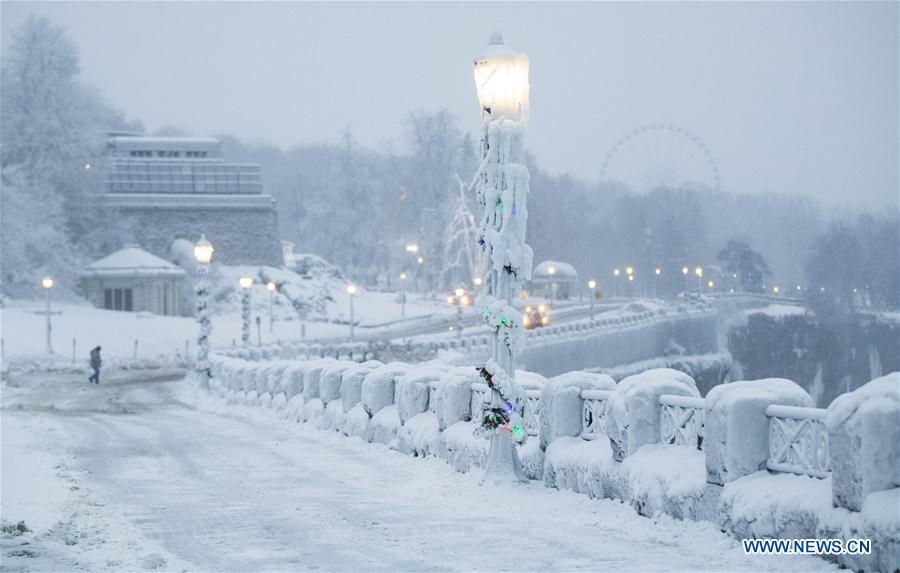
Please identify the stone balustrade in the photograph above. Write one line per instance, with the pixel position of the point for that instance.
(610, 440)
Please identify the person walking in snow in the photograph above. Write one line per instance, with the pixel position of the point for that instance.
(95, 365)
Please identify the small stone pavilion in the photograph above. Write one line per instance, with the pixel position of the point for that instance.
(131, 279)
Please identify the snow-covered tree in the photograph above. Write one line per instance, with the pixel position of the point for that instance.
(460, 261)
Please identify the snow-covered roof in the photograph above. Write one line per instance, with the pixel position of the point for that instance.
(132, 260)
(562, 271)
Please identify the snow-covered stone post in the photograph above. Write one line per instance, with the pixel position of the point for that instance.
(203, 252)
(501, 77)
(864, 441)
(246, 284)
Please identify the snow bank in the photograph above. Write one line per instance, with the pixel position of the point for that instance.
(736, 435)
(330, 380)
(421, 436)
(864, 440)
(384, 425)
(561, 403)
(632, 411)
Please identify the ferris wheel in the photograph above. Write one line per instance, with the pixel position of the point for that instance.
(660, 155)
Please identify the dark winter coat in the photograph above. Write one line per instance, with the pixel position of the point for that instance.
(95, 358)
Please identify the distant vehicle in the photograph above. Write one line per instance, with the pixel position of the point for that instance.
(535, 312)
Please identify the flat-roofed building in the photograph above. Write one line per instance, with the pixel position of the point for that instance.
(181, 187)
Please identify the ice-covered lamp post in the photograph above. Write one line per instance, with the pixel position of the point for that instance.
(47, 283)
(592, 284)
(501, 77)
(552, 272)
(351, 290)
(684, 271)
(271, 287)
(699, 272)
(658, 272)
(616, 280)
(402, 295)
(246, 283)
(203, 252)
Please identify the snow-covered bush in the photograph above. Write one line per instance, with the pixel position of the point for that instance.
(562, 406)
(378, 386)
(864, 441)
(412, 390)
(736, 435)
(351, 383)
(454, 395)
(311, 375)
(632, 411)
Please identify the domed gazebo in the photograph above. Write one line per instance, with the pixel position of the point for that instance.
(554, 280)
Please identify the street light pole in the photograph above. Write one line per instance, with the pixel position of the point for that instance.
(47, 283)
(402, 295)
(351, 290)
(592, 284)
(246, 283)
(501, 77)
(203, 252)
(616, 273)
(271, 286)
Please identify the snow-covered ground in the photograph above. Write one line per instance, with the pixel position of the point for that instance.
(24, 326)
(144, 474)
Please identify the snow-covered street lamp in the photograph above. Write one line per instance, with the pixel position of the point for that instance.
(47, 283)
(657, 271)
(402, 295)
(699, 272)
(684, 272)
(592, 284)
(203, 252)
(552, 272)
(246, 283)
(501, 78)
(351, 290)
(271, 287)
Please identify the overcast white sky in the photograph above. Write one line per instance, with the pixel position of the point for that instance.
(790, 97)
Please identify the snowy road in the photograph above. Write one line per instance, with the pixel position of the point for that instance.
(200, 487)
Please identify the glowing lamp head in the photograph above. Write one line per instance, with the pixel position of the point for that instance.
(698, 271)
(459, 291)
(402, 276)
(420, 260)
(776, 290)
(658, 271)
(798, 287)
(203, 250)
(246, 282)
(592, 284)
(271, 286)
(684, 270)
(412, 248)
(631, 278)
(88, 166)
(551, 271)
(47, 282)
(501, 78)
(477, 281)
(616, 272)
(710, 284)
(351, 289)
(629, 271)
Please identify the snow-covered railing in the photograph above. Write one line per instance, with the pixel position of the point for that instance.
(681, 420)
(798, 441)
(481, 399)
(532, 412)
(593, 419)
(432, 396)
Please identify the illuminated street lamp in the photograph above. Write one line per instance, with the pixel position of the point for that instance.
(47, 283)
(402, 295)
(552, 272)
(246, 283)
(501, 78)
(459, 300)
(351, 290)
(657, 272)
(616, 274)
(684, 272)
(711, 285)
(592, 284)
(271, 287)
(203, 252)
(412, 248)
(699, 272)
